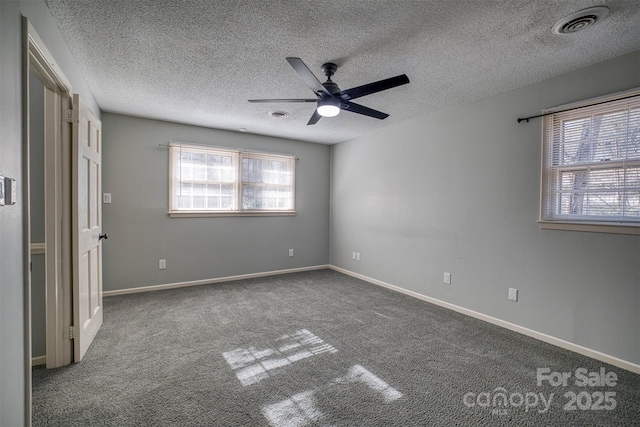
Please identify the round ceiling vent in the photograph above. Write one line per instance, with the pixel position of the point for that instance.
(278, 114)
(580, 20)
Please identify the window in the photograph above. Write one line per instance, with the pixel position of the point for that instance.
(591, 166)
(208, 181)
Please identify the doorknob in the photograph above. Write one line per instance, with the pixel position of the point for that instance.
(104, 236)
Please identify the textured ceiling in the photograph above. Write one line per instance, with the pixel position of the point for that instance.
(198, 61)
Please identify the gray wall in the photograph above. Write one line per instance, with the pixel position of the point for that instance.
(12, 357)
(458, 191)
(13, 369)
(135, 172)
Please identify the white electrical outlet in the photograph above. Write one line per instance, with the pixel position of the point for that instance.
(513, 294)
(162, 264)
(354, 255)
(290, 252)
(357, 256)
(447, 278)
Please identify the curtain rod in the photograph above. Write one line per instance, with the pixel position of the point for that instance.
(244, 150)
(526, 119)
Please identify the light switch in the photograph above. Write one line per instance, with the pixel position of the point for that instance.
(1, 190)
(106, 198)
(10, 191)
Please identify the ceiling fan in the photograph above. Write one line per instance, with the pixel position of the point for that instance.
(330, 99)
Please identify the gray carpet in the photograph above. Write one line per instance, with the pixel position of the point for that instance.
(318, 349)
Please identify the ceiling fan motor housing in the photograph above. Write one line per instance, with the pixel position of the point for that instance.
(332, 87)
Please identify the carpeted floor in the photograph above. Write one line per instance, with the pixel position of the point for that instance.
(320, 349)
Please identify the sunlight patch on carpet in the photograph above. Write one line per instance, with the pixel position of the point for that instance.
(253, 365)
(358, 373)
(301, 409)
(297, 411)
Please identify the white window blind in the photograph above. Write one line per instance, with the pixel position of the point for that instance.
(591, 164)
(210, 180)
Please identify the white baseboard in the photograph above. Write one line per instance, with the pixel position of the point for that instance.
(40, 360)
(209, 281)
(594, 354)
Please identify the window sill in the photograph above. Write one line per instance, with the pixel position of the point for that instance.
(590, 227)
(204, 214)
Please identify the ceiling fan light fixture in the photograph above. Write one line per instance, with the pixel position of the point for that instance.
(328, 108)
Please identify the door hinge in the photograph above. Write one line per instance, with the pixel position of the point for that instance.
(71, 333)
(71, 116)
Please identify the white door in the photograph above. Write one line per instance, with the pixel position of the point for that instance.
(87, 227)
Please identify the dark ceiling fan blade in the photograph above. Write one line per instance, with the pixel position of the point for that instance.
(314, 118)
(283, 100)
(374, 87)
(307, 76)
(361, 109)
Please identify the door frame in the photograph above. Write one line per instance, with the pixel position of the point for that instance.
(57, 146)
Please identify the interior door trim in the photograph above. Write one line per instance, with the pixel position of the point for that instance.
(37, 59)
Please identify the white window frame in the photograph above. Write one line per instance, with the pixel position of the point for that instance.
(233, 180)
(553, 213)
